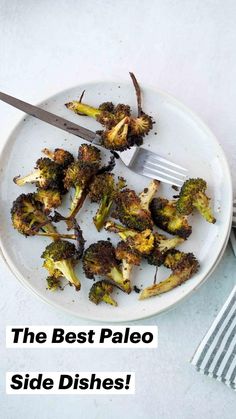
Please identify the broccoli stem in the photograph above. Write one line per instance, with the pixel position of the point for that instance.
(103, 212)
(49, 229)
(126, 270)
(82, 108)
(201, 203)
(31, 178)
(109, 300)
(67, 269)
(116, 276)
(80, 195)
(45, 224)
(148, 194)
(75, 205)
(123, 232)
(57, 236)
(168, 284)
(120, 128)
(76, 198)
(167, 244)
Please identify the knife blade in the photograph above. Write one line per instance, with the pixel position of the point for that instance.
(52, 119)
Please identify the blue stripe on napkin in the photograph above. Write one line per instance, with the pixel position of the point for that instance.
(216, 354)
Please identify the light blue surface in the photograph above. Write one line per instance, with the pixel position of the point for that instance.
(188, 49)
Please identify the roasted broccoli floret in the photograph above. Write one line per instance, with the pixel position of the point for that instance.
(165, 216)
(120, 111)
(162, 245)
(107, 106)
(126, 133)
(193, 195)
(148, 193)
(126, 252)
(29, 218)
(47, 175)
(106, 114)
(99, 259)
(122, 130)
(183, 265)
(141, 125)
(173, 257)
(49, 198)
(89, 155)
(77, 176)
(123, 232)
(62, 157)
(141, 241)
(103, 190)
(116, 137)
(53, 283)
(130, 211)
(60, 257)
(128, 257)
(101, 291)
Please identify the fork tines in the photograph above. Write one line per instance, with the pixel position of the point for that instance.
(167, 171)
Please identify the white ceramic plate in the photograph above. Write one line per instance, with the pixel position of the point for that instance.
(181, 137)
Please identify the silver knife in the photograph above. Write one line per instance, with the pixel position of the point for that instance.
(52, 119)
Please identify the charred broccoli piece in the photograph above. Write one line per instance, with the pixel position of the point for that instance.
(101, 291)
(77, 176)
(193, 195)
(106, 114)
(116, 137)
(47, 175)
(127, 132)
(60, 257)
(89, 155)
(140, 241)
(126, 252)
(165, 216)
(173, 257)
(122, 130)
(62, 157)
(28, 216)
(49, 198)
(30, 219)
(128, 257)
(183, 265)
(148, 193)
(99, 259)
(162, 245)
(141, 125)
(130, 211)
(53, 283)
(121, 111)
(103, 190)
(107, 106)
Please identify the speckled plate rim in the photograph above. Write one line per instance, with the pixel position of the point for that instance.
(224, 162)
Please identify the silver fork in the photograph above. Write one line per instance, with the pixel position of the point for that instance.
(151, 165)
(137, 159)
(233, 232)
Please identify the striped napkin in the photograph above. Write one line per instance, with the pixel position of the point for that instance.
(216, 354)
